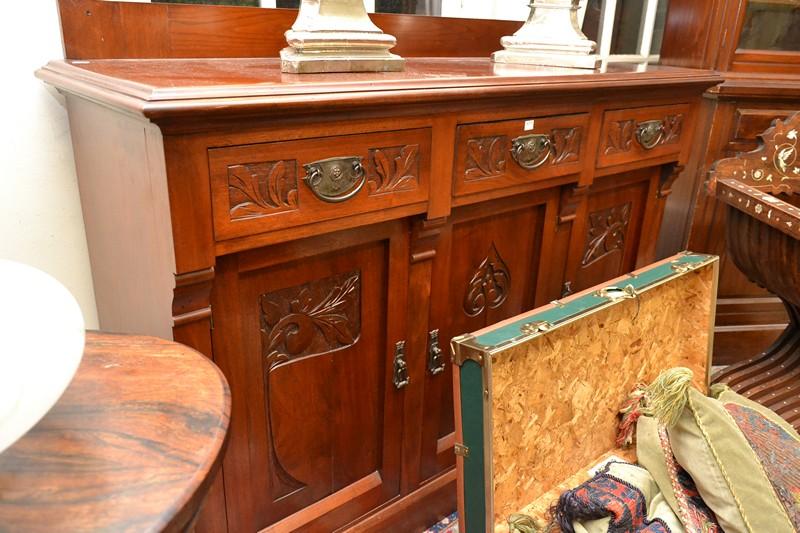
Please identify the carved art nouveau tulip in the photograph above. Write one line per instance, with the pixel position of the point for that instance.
(337, 36)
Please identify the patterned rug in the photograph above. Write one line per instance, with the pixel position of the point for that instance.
(448, 525)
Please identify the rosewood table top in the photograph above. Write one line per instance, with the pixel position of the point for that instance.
(132, 445)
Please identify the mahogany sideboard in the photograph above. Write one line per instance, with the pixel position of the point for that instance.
(323, 237)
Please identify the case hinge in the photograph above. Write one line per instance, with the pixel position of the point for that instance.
(462, 450)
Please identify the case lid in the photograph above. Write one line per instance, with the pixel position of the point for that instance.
(537, 395)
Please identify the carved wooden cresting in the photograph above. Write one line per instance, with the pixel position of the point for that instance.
(763, 236)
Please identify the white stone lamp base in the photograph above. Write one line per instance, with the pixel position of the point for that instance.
(337, 36)
(550, 37)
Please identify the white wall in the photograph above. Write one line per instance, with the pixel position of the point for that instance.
(40, 214)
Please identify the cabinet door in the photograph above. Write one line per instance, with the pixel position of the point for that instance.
(485, 271)
(305, 333)
(605, 241)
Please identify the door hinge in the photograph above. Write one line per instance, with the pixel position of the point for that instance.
(462, 450)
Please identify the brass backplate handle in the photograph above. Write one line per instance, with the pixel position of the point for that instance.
(532, 151)
(649, 133)
(337, 179)
(400, 367)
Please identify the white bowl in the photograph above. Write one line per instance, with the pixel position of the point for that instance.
(41, 345)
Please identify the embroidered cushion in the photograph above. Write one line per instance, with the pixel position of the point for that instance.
(654, 452)
(745, 463)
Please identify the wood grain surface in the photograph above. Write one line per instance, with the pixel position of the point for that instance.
(131, 446)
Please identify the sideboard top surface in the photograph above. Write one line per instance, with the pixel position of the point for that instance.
(162, 87)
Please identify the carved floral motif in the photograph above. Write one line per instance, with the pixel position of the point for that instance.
(673, 124)
(314, 318)
(486, 157)
(393, 169)
(259, 189)
(489, 286)
(606, 234)
(311, 319)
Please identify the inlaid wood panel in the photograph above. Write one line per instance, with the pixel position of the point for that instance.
(262, 187)
(512, 152)
(310, 356)
(485, 271)
(630, 135)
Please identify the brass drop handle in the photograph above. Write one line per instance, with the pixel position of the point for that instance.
(337, 179)
(435, 359)
(532, 151)
(649, 133)
(400, 374)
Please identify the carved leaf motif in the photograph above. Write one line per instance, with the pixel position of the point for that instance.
(486, 157)
(393, 169)
(620, 137)
(489, 286)
(259, 189)
(567, 144)
(673, 124)
(773, 167)
(607, 229)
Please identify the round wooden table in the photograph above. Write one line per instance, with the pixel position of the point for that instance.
(132, 445)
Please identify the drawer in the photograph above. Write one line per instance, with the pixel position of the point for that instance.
(634, 134)
(265, 187)
(513, 152)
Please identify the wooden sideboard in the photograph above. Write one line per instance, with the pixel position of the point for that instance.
(759, 86)
(323, 237)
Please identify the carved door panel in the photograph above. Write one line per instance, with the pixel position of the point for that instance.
(605, 244)
(306, 339)
(485, 271)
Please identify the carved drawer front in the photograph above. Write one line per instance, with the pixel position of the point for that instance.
(513, 152)
(270, 186)
(630, 135)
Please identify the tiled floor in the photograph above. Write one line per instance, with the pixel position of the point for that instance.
(448, 525)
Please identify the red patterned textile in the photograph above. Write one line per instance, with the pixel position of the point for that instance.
(777, 451)
(692, 510)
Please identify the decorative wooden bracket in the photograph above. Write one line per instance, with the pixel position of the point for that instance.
(669, 173)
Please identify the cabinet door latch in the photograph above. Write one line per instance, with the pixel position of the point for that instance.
(400, 367)
(435, 359)
(461, 450)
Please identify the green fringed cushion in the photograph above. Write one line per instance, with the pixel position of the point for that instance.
(744, 462)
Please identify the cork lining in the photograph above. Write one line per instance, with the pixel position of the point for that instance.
(555, 398)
